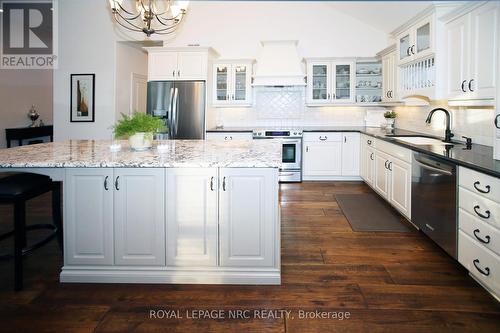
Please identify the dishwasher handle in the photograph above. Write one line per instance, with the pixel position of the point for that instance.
(434, 168)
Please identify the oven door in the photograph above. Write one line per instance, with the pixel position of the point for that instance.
(291, 158)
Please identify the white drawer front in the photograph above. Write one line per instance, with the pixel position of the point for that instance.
(480, 207)
(479, 183)
(480, 231)
(480, 262)
(322, 136)
(228, 136)
(403, 154)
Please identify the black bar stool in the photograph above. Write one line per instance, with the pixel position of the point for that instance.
(17, 189)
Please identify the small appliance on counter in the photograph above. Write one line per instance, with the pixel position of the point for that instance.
(291, 169)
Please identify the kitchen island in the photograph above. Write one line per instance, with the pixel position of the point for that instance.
(198, 212)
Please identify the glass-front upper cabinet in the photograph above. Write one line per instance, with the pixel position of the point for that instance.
(416, 41)
(404, 47)
(422, 37)
(329, 82)
(232, 83)
(320, 82)
(221, 77)
(343, 74)
(240, 82)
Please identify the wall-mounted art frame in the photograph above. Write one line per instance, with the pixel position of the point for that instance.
(82, 98)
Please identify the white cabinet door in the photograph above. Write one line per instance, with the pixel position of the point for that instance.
(191, 217)
(162, 66)
(322, 158)
(370, 165)
(386, 78)
(241, 84)
(457, 33)
(400, 186)
(381, 183)
(248, 217)
(423, 38)
(319, 83)
(139, 216)
(191, 66)
(484, 49)
(88, 217)
(222, 84)
(350, 154)
(343, 82)
(405, 41)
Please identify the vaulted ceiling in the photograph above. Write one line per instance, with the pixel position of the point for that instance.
(382, 15)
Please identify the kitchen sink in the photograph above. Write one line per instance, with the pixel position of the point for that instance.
(421, 140)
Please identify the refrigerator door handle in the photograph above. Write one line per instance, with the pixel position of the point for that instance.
(174, 113)
(169, 112)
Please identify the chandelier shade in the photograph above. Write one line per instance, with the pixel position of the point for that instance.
(149, 16)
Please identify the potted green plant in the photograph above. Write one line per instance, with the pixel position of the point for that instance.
(138, 129)
(390, 117)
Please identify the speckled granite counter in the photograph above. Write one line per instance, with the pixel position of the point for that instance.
(180, 153)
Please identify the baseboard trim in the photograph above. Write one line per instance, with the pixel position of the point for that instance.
(170, 277)
(332, 178)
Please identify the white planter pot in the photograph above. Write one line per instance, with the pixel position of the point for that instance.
(141, 141)
(390, 122)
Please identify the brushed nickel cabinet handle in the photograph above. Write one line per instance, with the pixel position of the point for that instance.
(224, 184)
(116, 183)
(106, 183)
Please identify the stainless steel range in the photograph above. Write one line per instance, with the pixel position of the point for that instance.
(291, 170)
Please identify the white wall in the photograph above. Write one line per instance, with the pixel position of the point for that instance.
(86, 45)
(87, 41)
(130, 59)
(19, 89)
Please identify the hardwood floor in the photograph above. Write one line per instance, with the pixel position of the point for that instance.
(387, 282)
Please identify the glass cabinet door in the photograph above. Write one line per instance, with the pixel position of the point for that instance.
(343, 74)
(222, 82)
(423, 36)
(404, 47)
(320, 83)
(240, 83)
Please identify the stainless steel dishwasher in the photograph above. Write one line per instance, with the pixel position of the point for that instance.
(434, 200)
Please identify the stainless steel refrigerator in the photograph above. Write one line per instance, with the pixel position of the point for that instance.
(181, 104)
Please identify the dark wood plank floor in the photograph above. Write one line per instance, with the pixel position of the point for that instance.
(388, 282)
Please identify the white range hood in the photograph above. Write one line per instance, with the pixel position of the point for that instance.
(279, 64)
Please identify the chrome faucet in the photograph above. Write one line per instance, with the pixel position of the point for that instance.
(447, 133)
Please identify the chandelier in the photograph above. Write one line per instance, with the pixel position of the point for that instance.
(149, 16)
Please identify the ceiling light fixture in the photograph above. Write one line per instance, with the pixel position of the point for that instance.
(149, 16)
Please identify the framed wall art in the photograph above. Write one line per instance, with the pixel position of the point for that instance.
(82, 98)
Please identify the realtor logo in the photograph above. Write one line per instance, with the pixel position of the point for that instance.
(28, 34)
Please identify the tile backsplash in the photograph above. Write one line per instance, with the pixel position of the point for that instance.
(476, 122)
(283, 107)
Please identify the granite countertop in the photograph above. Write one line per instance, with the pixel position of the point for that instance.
(478, 157)
(180, 153)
